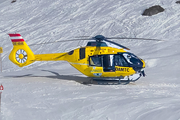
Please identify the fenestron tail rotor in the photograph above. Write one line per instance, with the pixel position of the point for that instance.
(21, 56)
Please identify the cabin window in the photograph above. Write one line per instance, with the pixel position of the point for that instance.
(71, 52)
(95, 61)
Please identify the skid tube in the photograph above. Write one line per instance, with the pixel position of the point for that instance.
(111, 81)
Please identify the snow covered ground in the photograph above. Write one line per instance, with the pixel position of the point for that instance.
(53, 90)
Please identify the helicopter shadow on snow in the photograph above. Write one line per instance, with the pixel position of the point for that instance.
(82, 80)
(79, 79)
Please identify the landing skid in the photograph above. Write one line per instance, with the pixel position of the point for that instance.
(112, 81)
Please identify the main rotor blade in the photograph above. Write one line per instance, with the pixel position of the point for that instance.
(117, 44)
(134, 38)
(60, 41)
(83, 37)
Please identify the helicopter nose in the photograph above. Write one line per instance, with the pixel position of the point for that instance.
(143, 63)
(142, 69)
(138, 65)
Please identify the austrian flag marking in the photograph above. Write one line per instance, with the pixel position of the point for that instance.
(1, 87)
(16, 38)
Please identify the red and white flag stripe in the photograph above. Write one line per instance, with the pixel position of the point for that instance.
(16, 37)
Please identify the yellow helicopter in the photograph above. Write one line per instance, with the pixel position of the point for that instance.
(101, 59)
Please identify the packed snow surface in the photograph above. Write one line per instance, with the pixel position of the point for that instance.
(54, 90)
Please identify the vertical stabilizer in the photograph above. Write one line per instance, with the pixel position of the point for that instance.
(21, 54)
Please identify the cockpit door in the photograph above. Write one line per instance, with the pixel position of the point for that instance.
(108, 63)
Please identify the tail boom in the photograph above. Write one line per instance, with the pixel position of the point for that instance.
(51, 57)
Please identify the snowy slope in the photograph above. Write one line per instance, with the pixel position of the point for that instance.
(53, 90)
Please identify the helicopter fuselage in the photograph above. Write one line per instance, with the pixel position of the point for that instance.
(96, 60)
(99, 61)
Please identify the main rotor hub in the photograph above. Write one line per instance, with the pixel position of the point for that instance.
(99, 38)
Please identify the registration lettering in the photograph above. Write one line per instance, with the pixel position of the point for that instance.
(18, 43)
(122, 69)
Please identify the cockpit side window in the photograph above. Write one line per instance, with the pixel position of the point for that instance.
(131, 58)
(120, 61)
(95, 61)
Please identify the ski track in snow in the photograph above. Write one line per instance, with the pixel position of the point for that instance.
(54, 90)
